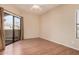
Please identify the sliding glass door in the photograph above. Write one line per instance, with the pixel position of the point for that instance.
(8, 28)
(17, 28)
(12, 28)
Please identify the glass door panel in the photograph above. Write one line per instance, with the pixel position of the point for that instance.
(16, 28)
(8, 27)
(12, 28)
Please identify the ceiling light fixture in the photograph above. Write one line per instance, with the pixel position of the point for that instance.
(36, 7)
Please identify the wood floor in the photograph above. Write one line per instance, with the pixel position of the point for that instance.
(37, 46)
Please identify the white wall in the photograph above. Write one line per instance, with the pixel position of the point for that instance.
(31, 26)
(58, 25)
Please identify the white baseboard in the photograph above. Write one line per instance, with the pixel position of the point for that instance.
(61, 44)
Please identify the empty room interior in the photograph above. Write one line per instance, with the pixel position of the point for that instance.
(39, 29)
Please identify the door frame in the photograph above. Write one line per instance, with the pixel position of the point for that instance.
(2, 36)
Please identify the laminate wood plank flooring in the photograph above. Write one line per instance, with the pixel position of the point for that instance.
(37, 46)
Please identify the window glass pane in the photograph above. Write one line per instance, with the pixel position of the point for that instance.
(16, 28)
(77, 17)
(77, 33)
(8, 22)
(8, 27)
(77, 27)
(17, 23)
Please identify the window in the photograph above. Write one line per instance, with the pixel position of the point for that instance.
(77, 24)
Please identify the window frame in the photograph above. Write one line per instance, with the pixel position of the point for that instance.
(77, 24)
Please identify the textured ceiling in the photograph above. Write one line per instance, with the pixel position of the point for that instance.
(26, 8)
(44, 8)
